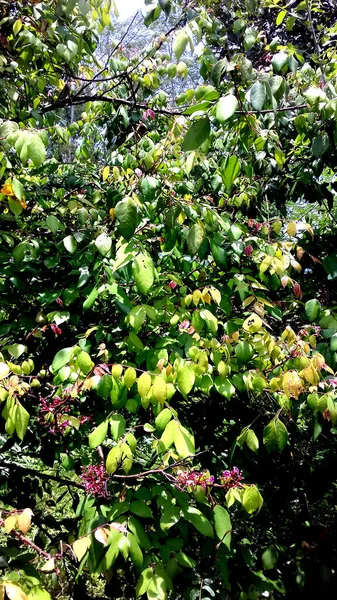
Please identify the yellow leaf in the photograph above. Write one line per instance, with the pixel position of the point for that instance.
(292, 384)
(112, 214)
(265, 263)
(309, 229)
(144, 384)
(205, 297)
(81, 546)
(105, 174)
(311, 375)
(48, 566)
(159, 390)
(2, 591)
(216, 295)
(7, 190)
(10, 523)
(292, 228)
(101, 535)
(24, 522)
(295, 265)
(252, 324)
(277, 265)
(196, 297)
(14, 592)
(248, 301)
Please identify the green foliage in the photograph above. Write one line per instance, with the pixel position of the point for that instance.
(168, 265)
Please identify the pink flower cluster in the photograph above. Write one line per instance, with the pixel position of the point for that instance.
(231, 479)
(53, 413)
(95, 479)
(192, 479)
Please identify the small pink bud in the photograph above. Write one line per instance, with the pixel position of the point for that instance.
(172, 285)
(297, 291)
(248, 250)
(184, 324)
(56, 329)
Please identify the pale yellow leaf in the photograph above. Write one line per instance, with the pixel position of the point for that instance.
(14, 592)
(216, 295)
(10, 523)
(291, 228)
(196, 297)
(81, 546)
(101, 535)
(105, 173)
(24, 522)
(48, 566)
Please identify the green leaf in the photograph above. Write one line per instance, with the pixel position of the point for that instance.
(113, 460)
(197, 134)
(250, 37)
(127, 214)
(185, 380)
(63, 357)
(84, 362)
(143, 582)
(244, 351)
(126, 458)
(179, 43)
(70, 244)
(320, 145)
(198, 520)
(98, 436)
(15, 206)
(269, 558)
(194, 239)
(251, 499)
(157, 588)
(53, 223)
(258, 95)
(226, 108)
(143, 272)
(117, 426)
(279, 61)
(103, 243)
(162, 419)
(17, 188)
(231, 171)
(141, 509)
(36, 150)
(38, 593)
(21, 420)
(16, 350)
(252, 440)
(275, 435)
(184, 442)
(104, 386)
(222, 525)
(169, 517)
(210, 320)
(312, 309)
(136, 554)
(185, 561)
(224, 387)
(169, 434)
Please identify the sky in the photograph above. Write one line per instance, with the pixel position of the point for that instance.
(127, 8)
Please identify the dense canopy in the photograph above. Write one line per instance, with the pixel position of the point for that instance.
(168, 318)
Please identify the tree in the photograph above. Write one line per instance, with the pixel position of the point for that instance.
(168, 327)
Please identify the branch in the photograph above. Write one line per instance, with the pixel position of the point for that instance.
(41, 475)
(73, 101)
(27, 542)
